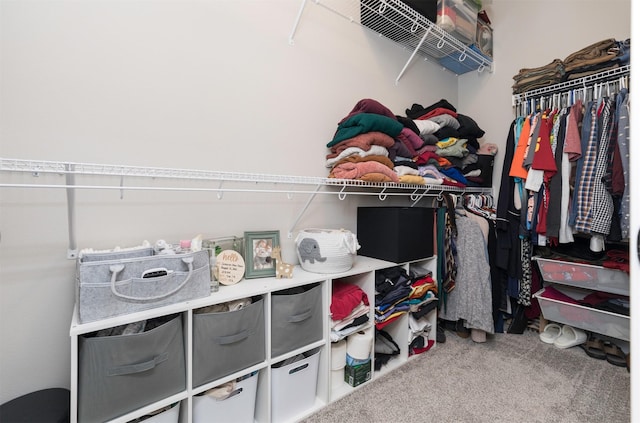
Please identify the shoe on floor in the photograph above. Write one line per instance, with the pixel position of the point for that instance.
(550, 333)
(615, 355)
(570, 337)
(594, 347)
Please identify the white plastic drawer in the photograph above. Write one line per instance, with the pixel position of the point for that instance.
(587, 318)
(586, 276)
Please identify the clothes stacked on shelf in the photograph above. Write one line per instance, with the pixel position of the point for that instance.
(600, 56)
(349, 309)
(398, 293)
(432, 145)
(422, 301)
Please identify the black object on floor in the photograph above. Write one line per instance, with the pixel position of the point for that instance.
(440, 336)
(44, 406)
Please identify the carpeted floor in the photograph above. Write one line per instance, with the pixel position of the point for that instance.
(510, 378)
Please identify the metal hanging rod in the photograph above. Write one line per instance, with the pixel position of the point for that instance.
(604, 76)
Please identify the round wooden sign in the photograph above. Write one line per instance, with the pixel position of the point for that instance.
(229, 267)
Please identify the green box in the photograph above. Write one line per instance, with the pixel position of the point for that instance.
(357, 374)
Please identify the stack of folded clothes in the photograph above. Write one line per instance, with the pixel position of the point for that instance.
(349, 309)
(433, 145)
(529, 79)
(597, 57)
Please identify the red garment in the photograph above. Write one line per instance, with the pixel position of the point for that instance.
(426, 156)
(438, 111)
(543, 158)
(617, 174)
(368, 105)
(572, 137)
(344, 298)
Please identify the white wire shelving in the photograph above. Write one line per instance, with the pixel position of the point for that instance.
(72, 176)
(584, 83)
(405, 26)
(147, 178)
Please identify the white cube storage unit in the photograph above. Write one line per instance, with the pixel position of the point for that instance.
(195, 351)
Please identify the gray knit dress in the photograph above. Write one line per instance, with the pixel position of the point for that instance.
(470, 300)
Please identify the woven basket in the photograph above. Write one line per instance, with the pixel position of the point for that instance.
(326, 250)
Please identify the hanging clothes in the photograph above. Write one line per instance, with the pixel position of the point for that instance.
(623, 145)
(471, 299)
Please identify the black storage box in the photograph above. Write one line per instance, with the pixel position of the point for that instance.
(397, 234)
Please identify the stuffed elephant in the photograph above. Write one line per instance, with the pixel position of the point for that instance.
(309, 249)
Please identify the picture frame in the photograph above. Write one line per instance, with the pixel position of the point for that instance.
(258, 246)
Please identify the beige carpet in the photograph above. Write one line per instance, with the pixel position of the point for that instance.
(510, 378)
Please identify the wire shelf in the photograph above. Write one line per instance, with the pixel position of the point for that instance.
(147, 179)
(400, 23)
(604, 76)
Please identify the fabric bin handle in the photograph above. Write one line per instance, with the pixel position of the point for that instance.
(117, 268)
(230, 339)
(139, 367)
(297, 318)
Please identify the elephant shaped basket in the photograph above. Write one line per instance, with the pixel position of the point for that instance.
(326, 250)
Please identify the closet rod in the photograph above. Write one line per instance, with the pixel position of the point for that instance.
(563, 86)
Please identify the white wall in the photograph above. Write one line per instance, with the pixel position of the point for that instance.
(205, 85)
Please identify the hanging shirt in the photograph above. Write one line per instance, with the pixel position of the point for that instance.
(517, 170)
(602, 208)
(623, 146)
(584, 191)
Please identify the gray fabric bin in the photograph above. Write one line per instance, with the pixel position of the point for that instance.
(119, 374)
(117, 283)
(226, 342)
(296, 318)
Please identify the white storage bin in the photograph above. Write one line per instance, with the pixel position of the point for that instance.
(293, 387)
(584, 276)
(587, 318)
(168, 416)
(326, 250)
(238, 407)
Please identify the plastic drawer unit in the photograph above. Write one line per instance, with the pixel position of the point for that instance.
(585, 276)
(293, 386)
(227, 342)
(583, 317)
(119, 374)
(296, 318)
(238, 406)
